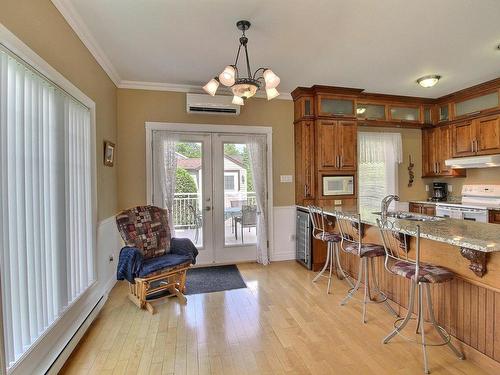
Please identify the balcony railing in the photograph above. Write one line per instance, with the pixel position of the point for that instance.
(187, 207)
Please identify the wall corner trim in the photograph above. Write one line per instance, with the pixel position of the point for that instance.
(76, 23)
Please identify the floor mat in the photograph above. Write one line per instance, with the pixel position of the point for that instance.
(213, 279)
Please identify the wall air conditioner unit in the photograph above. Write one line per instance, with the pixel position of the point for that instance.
(211, 105)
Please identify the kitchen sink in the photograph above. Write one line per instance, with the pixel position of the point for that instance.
(409, 216)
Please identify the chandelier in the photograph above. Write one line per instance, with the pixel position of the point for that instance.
(244, 87)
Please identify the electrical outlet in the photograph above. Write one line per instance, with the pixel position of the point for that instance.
(427, 188)
(337, 202)
(111, 258)
(450, 188)
(286, 178)
(292, 237)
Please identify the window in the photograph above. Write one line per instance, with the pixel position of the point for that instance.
(379, 156)
(46, 203)
(229, 183)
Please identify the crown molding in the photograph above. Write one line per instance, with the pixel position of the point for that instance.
(74, 20)
(78, 25)
(160, 86)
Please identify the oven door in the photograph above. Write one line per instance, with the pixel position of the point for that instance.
(470, 214)
(475, 215)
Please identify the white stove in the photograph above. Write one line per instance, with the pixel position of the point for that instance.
(476, 200)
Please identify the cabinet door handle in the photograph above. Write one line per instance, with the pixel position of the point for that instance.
(340, 161)
(472, 145)
(477, 145)
(305, 190)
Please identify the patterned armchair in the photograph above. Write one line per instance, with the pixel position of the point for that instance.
(152, 261)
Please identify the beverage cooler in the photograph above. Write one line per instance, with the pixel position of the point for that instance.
(303, 238)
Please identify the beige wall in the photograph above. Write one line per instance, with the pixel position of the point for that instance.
(135, 107)
(412, 145)
(40, 25)
(474, 176)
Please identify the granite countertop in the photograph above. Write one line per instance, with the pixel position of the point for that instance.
(484, 237)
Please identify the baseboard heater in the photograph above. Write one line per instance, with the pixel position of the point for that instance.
(58, 363)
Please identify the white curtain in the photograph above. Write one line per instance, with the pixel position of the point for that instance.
(46, 203)
(378, 159)
(164, 167)
(257, 148)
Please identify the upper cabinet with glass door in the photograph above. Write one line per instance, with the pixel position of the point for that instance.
(304, 107)
(477, 104)
(332, 106)
(406, 113)
(368, 111)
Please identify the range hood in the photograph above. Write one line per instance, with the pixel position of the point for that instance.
(474, 162)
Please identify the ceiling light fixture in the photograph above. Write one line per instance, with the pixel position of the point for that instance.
(244, 87)
(428, 81)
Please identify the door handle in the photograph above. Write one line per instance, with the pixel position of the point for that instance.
(208, 208)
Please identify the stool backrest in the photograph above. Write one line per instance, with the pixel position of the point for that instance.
(317, 216)
(395, 249)
(351, 231)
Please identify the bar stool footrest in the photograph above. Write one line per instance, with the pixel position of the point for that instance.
(417, 341)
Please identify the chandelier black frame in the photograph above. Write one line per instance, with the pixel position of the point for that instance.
(244, 87)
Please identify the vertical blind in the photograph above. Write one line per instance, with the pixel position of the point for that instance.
(378, 159)
(46, 221)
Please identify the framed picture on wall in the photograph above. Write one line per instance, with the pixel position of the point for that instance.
(109, 153)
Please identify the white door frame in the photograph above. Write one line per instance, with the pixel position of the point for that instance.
(209, 128)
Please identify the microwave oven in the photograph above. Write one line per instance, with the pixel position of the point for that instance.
(338, 185)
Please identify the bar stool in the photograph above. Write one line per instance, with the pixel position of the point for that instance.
(318, 217)
(420, 275)
(351, 232)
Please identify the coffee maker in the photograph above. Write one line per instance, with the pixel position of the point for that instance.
(439, 191)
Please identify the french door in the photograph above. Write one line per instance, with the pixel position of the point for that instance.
(214, 203)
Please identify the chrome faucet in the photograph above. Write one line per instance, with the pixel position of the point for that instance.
(386, 201)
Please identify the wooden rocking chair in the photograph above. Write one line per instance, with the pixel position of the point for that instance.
(157, 266)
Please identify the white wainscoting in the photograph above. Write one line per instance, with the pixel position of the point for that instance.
(284, 233)
(108, 244)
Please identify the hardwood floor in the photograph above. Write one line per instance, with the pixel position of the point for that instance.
(281, 324)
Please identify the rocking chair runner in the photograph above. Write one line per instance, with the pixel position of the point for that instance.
(152, 261)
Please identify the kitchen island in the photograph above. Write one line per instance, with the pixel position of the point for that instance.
(468, 307)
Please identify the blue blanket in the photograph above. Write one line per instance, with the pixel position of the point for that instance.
(131, 263)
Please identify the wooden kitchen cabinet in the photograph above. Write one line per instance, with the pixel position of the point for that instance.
(480, 136)
(303, 108)
(424, 209)
(337, 145)
(463, 139)
(304, 162)
(494, 216)
(436, 149)
(488, 135)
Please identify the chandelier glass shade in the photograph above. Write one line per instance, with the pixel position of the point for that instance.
(244, 87)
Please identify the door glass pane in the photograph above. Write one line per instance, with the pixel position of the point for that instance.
(371, 111)
(477, 104)
(240, 208)
(337, 106)
(427, 115)
(187, 212)
(307, 107)
(405, 113)
(443, 113)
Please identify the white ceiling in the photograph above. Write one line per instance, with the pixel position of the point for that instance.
(381, 46)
